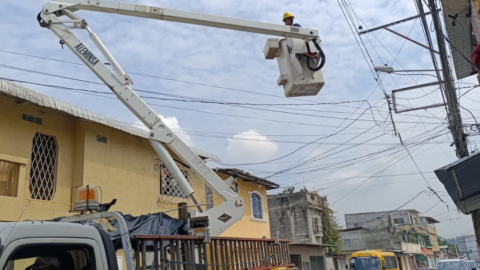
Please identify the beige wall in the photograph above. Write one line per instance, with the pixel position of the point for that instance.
(124, 168)
(16, 137)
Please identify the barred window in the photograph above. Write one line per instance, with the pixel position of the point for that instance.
(209, 196)
(399, 221)
(256, 204)
(316, 225)
(43, 168)
(8, 178)
(168, 184)
(101, 139)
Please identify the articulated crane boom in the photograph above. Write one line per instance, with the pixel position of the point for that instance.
(232, 209)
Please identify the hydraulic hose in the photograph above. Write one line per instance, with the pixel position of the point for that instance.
(321, 55)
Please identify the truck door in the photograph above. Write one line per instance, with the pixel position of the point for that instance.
(70, 253)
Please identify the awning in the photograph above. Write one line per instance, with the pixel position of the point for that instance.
(421, 257)
(427, 252)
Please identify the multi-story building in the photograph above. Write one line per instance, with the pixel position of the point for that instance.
(404, 232)
(467, 247)
(298, 217)
(431, 240)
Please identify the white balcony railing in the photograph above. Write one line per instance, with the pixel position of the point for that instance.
(411, 248)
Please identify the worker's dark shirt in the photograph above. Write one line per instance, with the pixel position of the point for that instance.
(296, 25)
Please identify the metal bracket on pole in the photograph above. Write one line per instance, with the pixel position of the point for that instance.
(394, 101)
(409, 39)
(391, 24)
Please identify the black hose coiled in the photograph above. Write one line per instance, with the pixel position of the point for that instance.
(322, 61)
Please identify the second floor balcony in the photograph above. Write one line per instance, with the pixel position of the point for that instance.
(417, 229)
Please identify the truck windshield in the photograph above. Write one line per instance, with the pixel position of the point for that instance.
(365, 263)
(472, 264)
(452, 266)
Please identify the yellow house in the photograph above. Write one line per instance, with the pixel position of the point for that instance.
(49, 148)
(253, 189)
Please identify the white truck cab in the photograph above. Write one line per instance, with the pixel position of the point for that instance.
(76, 246)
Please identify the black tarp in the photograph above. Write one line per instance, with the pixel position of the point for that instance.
(151, 224)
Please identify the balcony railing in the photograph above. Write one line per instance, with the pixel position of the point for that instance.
(411, 248)
(222, 253)
(416, 228)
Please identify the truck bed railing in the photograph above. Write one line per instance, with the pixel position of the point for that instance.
(183, 252)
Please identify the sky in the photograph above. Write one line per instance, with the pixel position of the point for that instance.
(340, 143)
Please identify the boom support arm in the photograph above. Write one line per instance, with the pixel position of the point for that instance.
(182, 17)
(232, 209)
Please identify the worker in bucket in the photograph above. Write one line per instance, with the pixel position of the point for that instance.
(288, 19)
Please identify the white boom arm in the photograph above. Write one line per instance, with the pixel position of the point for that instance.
(232, 209)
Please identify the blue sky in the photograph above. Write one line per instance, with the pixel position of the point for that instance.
(225, 65)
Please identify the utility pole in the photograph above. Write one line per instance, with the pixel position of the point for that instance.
(453, 110)
(447, 86)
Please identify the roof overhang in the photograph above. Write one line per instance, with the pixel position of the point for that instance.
(248, 177)
(461, 180)
(28, 96)
(431, 220)
(457, 14)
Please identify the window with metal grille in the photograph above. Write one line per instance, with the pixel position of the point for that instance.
(297, 260)
(101, 139)
(256, 202)
(33, 119)
(316, 225)
(169, 186)
(209, 197)
(317, 262)
(398, 221)
(346, 242)
(43, 167)
(8, 178)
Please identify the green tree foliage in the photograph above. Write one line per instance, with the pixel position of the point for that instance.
(441, 241)
(331, 231)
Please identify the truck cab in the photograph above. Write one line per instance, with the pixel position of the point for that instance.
(76, 246)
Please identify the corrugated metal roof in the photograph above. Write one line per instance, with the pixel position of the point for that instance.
(461, 180)
(460, 35)
(23, 93)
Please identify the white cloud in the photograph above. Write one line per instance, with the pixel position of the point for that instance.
(250, 146)
(172, 123)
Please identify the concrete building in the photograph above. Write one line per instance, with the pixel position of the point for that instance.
(298, 217)
(467, 247)
(49, 148)
(403, 232)
(444, 253)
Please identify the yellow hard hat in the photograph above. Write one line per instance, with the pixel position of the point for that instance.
(288, 15)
